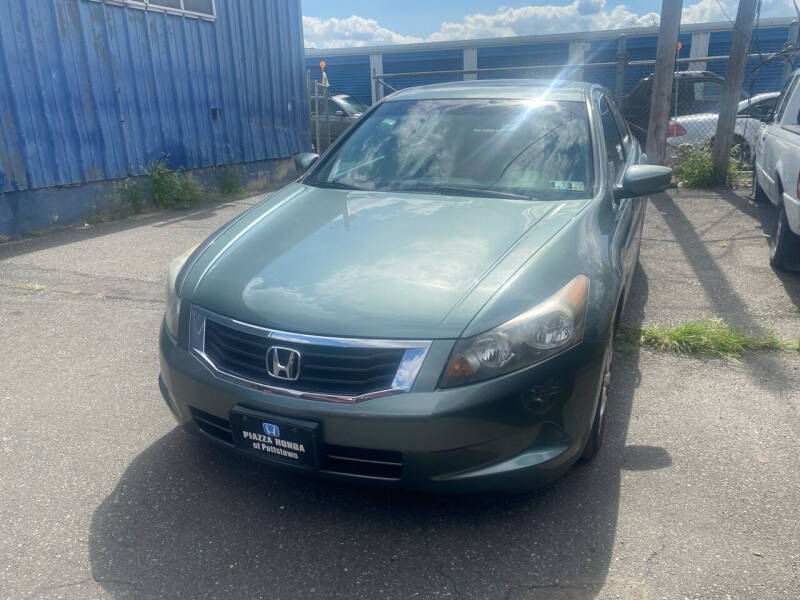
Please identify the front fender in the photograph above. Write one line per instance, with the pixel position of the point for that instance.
(586, 245)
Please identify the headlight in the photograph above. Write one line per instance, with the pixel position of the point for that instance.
(173, 301)
(546, 329)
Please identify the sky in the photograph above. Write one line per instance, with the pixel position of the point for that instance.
(338, 23)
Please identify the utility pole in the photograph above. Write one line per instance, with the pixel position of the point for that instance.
(662, 83)
(732, 88)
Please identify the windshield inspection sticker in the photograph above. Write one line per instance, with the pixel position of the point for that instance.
(567, 186)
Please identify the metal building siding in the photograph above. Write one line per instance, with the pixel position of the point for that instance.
(520, 56)
(599, 52)
(346, 74)
(92, 91)
(639, 48)
(411, 62)
(764, 41)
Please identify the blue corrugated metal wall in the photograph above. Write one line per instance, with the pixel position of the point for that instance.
(409, 62)
(520, 56)
(346, 74)
(764, 41)
(92, 91)
(351, 74)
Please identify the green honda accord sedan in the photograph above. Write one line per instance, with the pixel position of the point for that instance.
(432, 303)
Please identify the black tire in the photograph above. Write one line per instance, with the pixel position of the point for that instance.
(597, 432)
(782, 241)
(759, 195)
(742, 157)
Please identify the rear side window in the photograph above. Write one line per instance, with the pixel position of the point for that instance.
(622, 125)
(786, 93)
(615, 152)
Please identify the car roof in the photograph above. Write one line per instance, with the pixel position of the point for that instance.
(511, 89)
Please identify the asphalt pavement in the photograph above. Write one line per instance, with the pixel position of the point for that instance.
(695, 494)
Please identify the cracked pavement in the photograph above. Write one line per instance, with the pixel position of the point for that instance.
(694, 495)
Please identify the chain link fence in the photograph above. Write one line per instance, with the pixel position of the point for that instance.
(694, 107)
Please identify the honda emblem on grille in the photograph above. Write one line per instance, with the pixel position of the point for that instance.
(272, 430)
(283, 363)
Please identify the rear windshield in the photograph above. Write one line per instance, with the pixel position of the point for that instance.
(534, 149)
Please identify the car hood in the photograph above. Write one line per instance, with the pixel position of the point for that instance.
(369, 264)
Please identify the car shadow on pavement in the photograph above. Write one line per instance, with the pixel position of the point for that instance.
(188, 520)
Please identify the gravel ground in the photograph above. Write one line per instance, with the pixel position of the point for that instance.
(695, 494)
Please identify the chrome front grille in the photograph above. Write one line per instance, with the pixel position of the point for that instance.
(336, 369)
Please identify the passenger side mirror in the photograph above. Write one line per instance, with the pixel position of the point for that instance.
(304, 160)
(643, 180)
(340, 113)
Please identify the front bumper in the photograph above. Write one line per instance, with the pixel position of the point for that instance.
(512, 433)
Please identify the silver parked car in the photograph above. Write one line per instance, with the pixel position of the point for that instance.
(700, 128)
(342, 111)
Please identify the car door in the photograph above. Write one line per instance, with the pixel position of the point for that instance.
(618, 154)
(766, 151)
(751, 119)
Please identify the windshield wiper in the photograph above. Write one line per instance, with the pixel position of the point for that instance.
(334, 185)
(457, 190)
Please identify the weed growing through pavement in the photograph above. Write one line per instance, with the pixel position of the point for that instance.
(695, 168)
(709, 337)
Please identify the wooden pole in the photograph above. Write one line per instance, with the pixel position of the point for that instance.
(732, 89)
(662, 84)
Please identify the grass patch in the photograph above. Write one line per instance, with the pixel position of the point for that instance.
(135, 198)
(230, 184)
(187, 193)
(709, 337)
(163, 183)
(695, 168)
(167, 188)
(29, 287)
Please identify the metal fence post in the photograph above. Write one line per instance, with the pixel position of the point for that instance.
(316, 117)
(309, 95)
(622, 62)
(325, 98)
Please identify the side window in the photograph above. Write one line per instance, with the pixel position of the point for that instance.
(705, 96)
(615, 152)
(332, 108)
(622, 125)
(786, 93)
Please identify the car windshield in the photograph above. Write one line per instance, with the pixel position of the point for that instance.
(353, 106)
(538, 149)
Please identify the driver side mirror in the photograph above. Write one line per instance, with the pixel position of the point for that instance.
(340, 113)
(305, 160)
(643, 180)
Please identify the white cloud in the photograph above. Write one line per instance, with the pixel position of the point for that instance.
(705, 11)
(580, 15)
(352, 31)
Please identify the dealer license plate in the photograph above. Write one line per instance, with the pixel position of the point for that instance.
(279, 438)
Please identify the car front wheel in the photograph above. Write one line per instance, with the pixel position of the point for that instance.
(598, 425)
(782, 242)
(759, 195)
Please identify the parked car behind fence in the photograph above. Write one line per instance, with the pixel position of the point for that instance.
(700, 129)
(337, 111)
